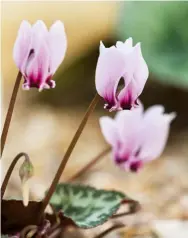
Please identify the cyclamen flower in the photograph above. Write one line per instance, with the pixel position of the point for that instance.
(121, 61)
(39, 52)
(137, 137)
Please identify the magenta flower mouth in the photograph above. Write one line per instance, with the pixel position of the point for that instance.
(123, 61)
(38, 52)
(135, 166)
(136, 136)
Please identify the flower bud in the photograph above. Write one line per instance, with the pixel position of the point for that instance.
(26, 172)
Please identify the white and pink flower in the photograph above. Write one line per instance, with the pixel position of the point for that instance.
(121, 61)
(137, 137)
(39, 52)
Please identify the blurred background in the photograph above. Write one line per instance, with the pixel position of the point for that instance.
(44, 123)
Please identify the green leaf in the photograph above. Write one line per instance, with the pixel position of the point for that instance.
(86, 206)
(161, 27)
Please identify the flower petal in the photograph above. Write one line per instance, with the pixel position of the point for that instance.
(22, 45)
(38, 67)
(129, 42)
(39, 31)
(153, 111)
(110, 68)
(128, 123)
(109, 130)
(126, 47)
(101, 47)
(58, 45)
(141, 71)
(155, 130)
(39, 28)
(135, 78)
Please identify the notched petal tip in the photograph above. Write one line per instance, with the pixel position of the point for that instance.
(101, 47)
(137, 49)
(40, 23)
(39, 27)
(129, 42)
(58, 24)
(119, 44)
(25, 24)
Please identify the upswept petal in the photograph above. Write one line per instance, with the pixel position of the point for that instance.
(58, 45)
(109, 130)
(153, 111)
(126, 47)
(109, 70)
(129, 42)
(119, 44)
(101, 47)
(128, 51)
(39, 33)
(22, 45)
(38, 67)
(124, 61)
(141, 71)
(155, 128)
(39, 28)
(135, 78)
(128, 123)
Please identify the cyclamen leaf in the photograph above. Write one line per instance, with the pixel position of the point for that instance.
(86, 206)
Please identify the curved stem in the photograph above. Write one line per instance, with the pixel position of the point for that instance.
(134, 207)
(9, 172)
(90, 164)
(27, 229)
(68, 153)
(10, 111)
(115, 227)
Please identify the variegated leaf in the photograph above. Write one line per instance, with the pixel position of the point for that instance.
(86, 206)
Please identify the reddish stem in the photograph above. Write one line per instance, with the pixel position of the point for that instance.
(90, 164)
(67, 154)
(134, 207)
(10, 111)
(106, 232)
(9, 172)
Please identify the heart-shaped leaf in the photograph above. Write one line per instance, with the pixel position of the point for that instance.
(86, 206)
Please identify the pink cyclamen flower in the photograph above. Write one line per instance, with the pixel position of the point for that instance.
(137, 137)
(38, 53)
(121, 61)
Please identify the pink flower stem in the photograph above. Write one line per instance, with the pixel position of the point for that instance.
(10, 111)
(9, 172)
(90, 164)
(67, 154)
